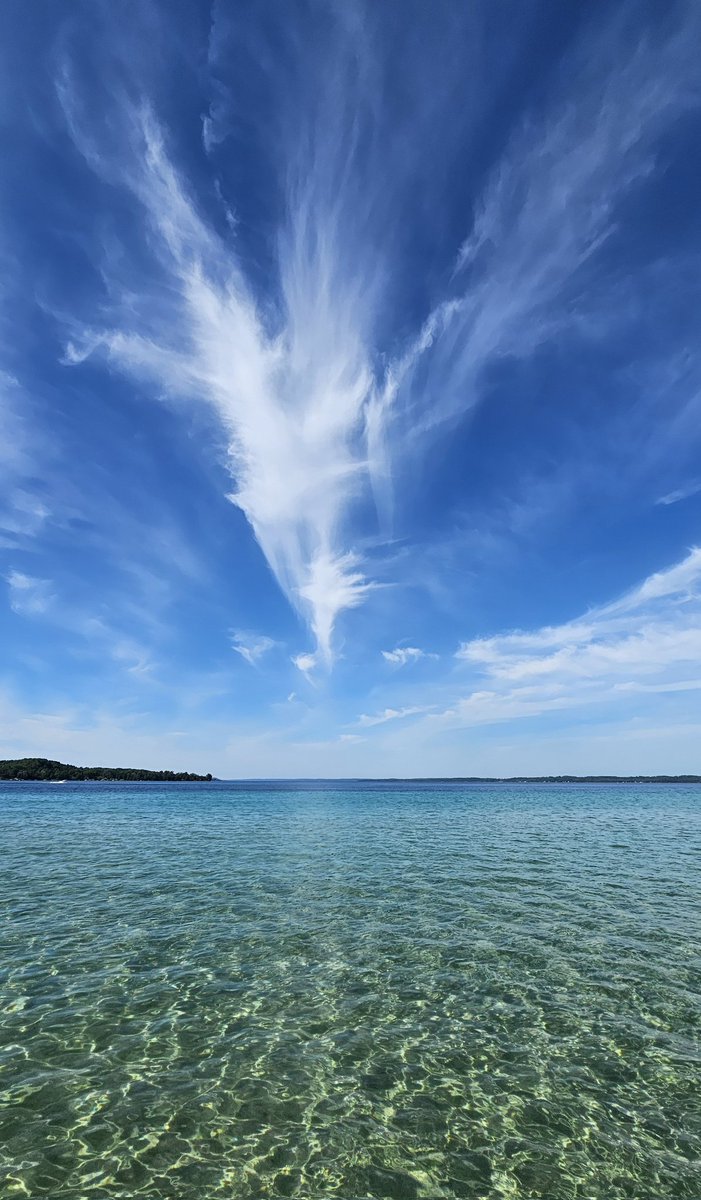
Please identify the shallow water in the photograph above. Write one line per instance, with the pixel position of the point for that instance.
(351, 991)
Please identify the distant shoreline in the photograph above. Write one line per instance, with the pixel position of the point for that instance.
(279, 779)
(339, 779)
(42, 770)
(545, 779)
(48, 770)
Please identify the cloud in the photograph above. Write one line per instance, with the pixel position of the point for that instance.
(23, 459)
(402, 655)
(639, 643)
(683, 493)
(318, 399)
(29, 597)
(38, 598)
(305, 663)
(681, 581)
(251, 646)
(290, 392)
(392, 714)
(22, 516)
(128, 653)
(523, 276)
(14, 440)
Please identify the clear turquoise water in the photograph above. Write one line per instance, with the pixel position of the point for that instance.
(218, 991)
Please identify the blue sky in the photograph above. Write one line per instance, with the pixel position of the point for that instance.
(350, 392)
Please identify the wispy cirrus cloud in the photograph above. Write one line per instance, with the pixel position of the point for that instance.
(636, 650)
(636, 660)
(29, 597)
(40, 600)
(317, 401)
(290, 397)
(692, 488)
(13, 440)
(392, 714)
(402, 655)
(526, 273)
(23, 511)
(647, 641)
(251, 646)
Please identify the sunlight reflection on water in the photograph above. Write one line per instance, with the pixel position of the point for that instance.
(359, 991)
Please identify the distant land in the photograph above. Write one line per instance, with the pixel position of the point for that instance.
(549, 779)
(48, 769)
(37, 769)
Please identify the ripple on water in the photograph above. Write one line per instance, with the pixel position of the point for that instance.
(360, 992)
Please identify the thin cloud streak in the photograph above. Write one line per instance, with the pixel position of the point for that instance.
(403, 655)
(38, 599)
(251, 646)
(366, 720)
(682, 493)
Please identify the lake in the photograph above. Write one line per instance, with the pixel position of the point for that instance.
(350, 990)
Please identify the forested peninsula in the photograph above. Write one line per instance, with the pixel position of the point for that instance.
(51, 771)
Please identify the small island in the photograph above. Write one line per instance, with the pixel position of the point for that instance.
(37, 769)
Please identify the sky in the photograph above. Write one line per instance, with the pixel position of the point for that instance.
(350, 386)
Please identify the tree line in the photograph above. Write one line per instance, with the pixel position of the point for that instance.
(49, 769)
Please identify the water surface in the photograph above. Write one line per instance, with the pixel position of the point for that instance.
(350, 991)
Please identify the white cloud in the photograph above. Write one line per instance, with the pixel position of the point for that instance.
(14, 441)
(290, 393)
(637, 644)
(681, 580)
(251, 646)
(24, 452)
(683, 493)
(315, 410)
(305, 663)
(128, 653)
(402, 655)
(392, 714)
(521, 276)
(32, 597)
(29, 597)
